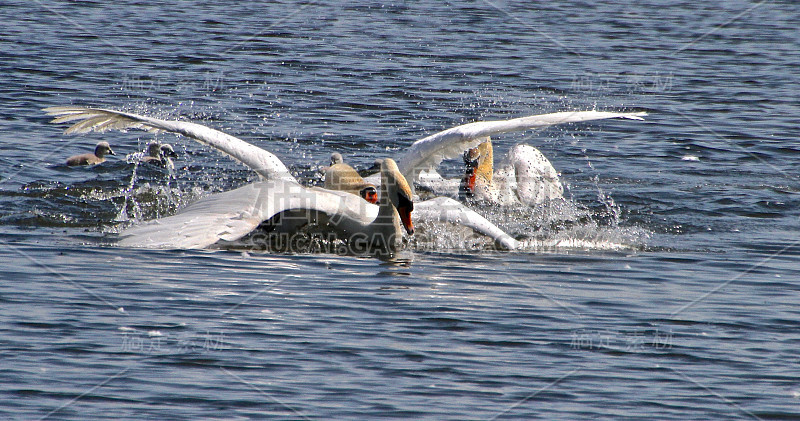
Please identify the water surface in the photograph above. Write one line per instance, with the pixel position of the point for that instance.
(695, 318)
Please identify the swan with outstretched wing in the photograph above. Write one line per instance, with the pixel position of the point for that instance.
(419, 161)
(231, 215)
(428, 153)
(524, 176)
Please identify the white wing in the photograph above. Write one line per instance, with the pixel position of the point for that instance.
(432, 181)
(444, 209)
(233, 214)
(534, 179)
(100, 120)
(429, 152)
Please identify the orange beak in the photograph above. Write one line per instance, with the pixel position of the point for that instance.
(471, 181)
(467, 187)
(468, 183)
(405, 217)
(371, 197)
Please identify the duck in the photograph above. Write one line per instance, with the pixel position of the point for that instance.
(343, 177)
(92, 158)
(159, 154)
(525, 176)
(168, 153)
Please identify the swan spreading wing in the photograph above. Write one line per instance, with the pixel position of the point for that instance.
(428, 152)
(264, 163)
(231, 215)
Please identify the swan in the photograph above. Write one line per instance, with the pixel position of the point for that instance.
(340, 176)
(92, 158)
(419, 161)
(525, 176)
(444, 210)
(231, 215)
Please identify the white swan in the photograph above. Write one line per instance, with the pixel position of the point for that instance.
(424, 155)
(231, 215)
(524, 176)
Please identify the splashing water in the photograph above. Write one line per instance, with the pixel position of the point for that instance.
(132, 158)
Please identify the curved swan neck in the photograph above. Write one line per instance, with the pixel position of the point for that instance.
(485, 169)
(343, 177)
(394, 209)
(388, 220)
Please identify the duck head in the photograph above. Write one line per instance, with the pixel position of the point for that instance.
(102, 149)
(166, 150)
(154, 149)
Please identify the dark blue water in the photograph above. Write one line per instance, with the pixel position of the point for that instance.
(695, 317)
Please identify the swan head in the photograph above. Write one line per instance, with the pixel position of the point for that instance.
(166, 150)
(478, 163)
(102, 149)
(467, 187)
(340, 176)
(369, 193)
(398, 192)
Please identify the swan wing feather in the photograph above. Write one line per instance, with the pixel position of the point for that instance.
(448, 144)
(233, 214)
(445, 209)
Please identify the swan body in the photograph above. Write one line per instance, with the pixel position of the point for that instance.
(524, 176)
(229, 216)
(93, 158)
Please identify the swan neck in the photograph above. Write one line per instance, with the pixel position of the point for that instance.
(387, 209)
(485, 169)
